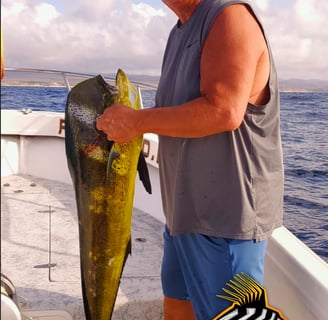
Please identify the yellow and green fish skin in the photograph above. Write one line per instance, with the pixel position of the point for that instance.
(103, 174)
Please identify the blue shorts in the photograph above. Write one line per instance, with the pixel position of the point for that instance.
(196, 267)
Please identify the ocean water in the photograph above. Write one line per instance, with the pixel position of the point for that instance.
(304, 125)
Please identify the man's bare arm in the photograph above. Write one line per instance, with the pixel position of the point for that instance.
(231, 72)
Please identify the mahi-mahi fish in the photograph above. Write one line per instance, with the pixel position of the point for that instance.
(103, 174)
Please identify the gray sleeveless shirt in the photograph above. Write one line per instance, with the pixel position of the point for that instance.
(229, 184)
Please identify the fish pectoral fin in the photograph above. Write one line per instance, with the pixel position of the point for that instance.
(112, 156)
(144, 173)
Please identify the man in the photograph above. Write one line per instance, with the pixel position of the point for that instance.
(217, 117)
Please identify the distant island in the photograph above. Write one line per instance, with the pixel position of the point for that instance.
(51, 78)
(285, 85)
(14, 78)
(299, 85)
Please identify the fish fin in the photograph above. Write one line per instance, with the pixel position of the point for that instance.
(128, 252)
(144, 173)
(129, 248)
(112, 156)
(85, 298)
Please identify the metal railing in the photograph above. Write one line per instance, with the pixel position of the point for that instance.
(69, 78)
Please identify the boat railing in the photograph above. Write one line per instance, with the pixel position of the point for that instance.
(35, 76)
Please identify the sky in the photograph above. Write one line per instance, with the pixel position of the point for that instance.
(100, 36)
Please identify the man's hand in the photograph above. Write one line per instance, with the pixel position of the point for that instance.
(119, 122)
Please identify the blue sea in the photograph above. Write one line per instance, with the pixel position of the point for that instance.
(304, 125)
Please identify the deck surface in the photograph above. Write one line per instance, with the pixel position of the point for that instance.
(39, 226)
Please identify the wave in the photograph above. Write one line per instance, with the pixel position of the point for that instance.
(304, 203)
(306, 173)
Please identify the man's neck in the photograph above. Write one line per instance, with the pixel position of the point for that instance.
(183, 9)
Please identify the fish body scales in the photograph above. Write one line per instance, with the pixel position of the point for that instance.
(103, 174)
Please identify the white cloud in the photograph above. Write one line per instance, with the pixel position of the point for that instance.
(92, 38)
(44, 14)
(298, 37)
(263, 5)
(112, 34)
(13, 10)
(147, 12)
(306, 11)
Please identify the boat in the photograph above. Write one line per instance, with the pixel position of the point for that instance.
(39, 232)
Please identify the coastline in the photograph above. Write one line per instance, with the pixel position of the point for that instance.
(302, 91)
(16, 83)
(143, 85)
(51, 78)
(5, 83)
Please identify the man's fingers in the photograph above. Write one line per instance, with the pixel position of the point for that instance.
(100, 123)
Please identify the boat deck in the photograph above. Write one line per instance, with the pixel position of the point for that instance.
(40, 253)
